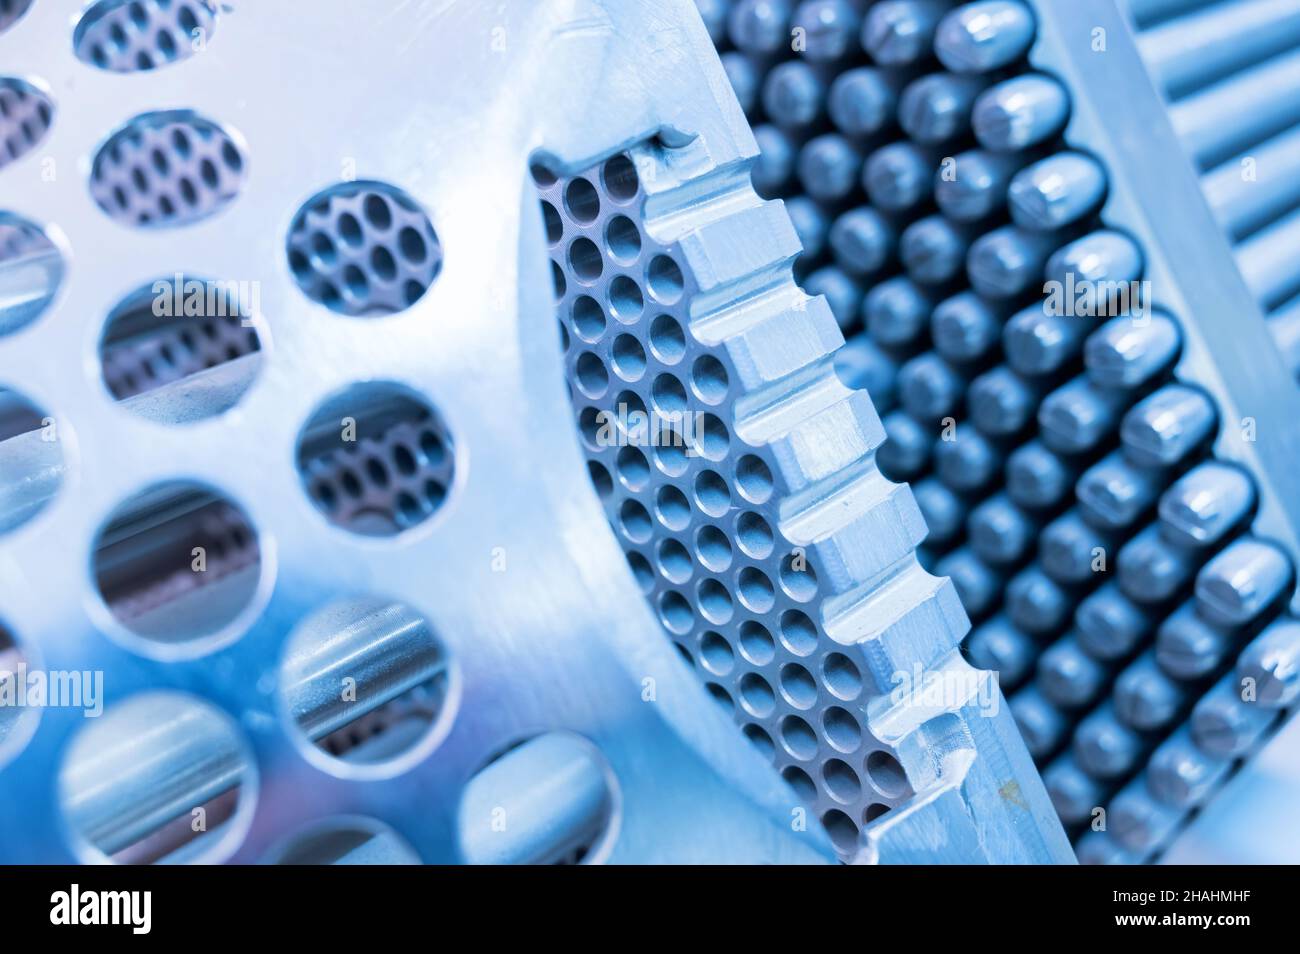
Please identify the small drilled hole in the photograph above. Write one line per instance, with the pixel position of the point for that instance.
(676, 613)
(754, 535)
(713, 548)
(797, 577)
(642, 572)
(842, 730)
(715, 654)
(600, 478)
(623, 239)
(801, 782)
(756, 590)
(625, 299)
(554, 224)
(582, 200)
(754, 479)
(591, 375)
(798, 633)
(842, 677)
(670, 453)
(665, 280)
(11, 11)
(620, 178)
(841, 829)
(585, 259)
(588, 318)
(712, 493)
(669, 395)
(674, 562)
(798, 686)
(709, 379)
(635, 521)
(799, 738)
(673, 508)
(842, 783)
(715, 602)
(756, 643)
(756, 695)
(667, 339)
(629, 358)
(633, 469)
(886, 774)
(543, 176)
(711, 438)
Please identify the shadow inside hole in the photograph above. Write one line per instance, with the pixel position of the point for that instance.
(350, 841)
(14, 713)
(376, 459)
(127, 36)
(31, 460)
(365, 679)
(160, 777)
(31, 270)
(182, 348)
(549, 800)
(177, 563)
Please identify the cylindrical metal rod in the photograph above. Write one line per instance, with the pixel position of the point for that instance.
(1145, 12)
(28, 281)
(1020, 112)
(1269, 262)
(1234, 115)
(984, 35)
(537, 804)
(384, 648)
(1193, 51)
(31, 468)
(150, 760)
(1285, 326)
(1254, 188)
(898, 32)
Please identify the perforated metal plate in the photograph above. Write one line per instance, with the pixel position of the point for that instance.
(511, 564)
(947, 165)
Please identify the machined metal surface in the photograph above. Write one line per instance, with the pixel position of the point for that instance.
(1090, 476)
(336, 531)
(560, 599)
(752, 512)
(545, 634)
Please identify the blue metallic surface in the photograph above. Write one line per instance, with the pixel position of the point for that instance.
(1140, 526)
(1061, 240)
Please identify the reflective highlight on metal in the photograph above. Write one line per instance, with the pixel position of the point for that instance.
(492, 653)
(1109, 477)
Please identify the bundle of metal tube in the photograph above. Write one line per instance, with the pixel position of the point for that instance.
(1231, 73)
(1063, 471)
